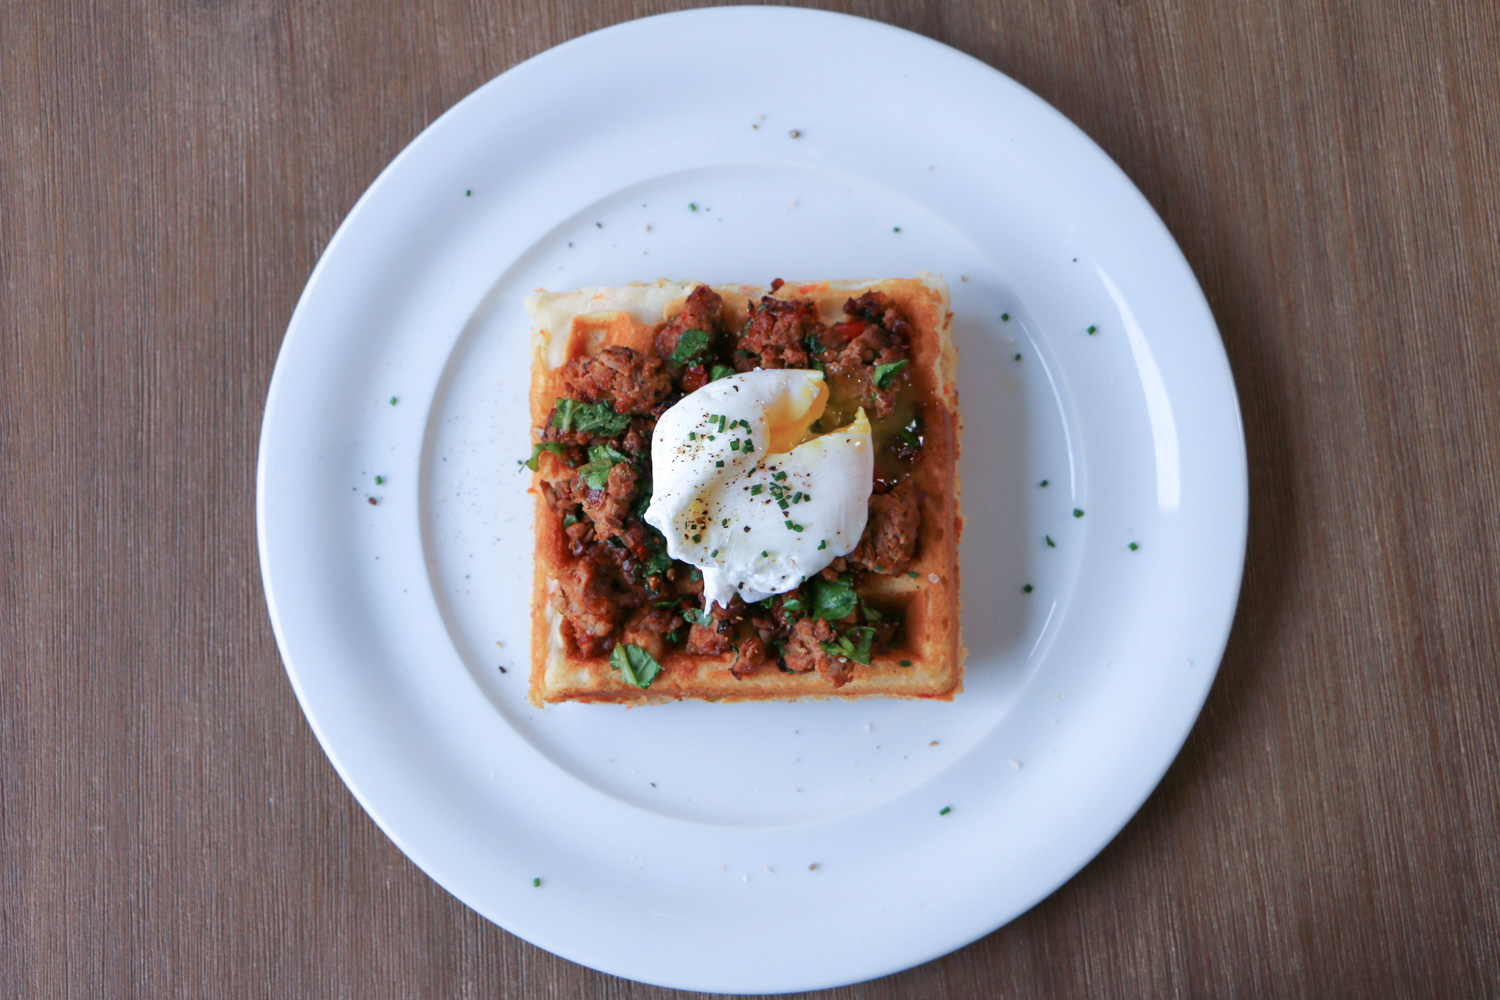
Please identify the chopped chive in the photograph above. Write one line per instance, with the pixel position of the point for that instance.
(1093, 330)
(823, 545)
(764, 554)
(1077, 512)
(1133, 546)
(755, 490)
(1026, 589)
(1050, 543)
(536, 883)
(912, 573)
(714, 553)
(788, 525)
(724, 523)
(692, 206)
(734, 445)
(697, 539)
(796, 527)
(945, 810)
(906, 663)
(1018, 357)
(1005, 317)
(719, 464)
(379, 480)
(393, 400)
(779, 477)
(798, 497)
(1044, 484)
(692, 435)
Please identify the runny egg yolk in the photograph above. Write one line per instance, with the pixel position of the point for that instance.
(788, 420)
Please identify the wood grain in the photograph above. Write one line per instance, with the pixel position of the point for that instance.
(169, 174)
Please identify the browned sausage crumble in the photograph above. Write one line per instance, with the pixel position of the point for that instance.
(621, 586)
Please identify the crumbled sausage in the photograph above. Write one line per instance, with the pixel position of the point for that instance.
(630, 382)
(778, 335)
(750, 657)
(705, 641)
(890, 536)
(703, 310)
(804, 651)
(610, 507)
(588, 604)
(648, 627)
(878, 335)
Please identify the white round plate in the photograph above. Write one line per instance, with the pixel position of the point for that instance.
(753, 848)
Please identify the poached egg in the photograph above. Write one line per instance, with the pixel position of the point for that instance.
(743, 492)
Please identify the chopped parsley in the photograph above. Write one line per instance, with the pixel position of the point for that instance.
(691, 344)
(791, 605)
(536, 453)
(637, 666)
(834, 599)
(719, 371)
(853, 645)
(884, 373)
(602, 458)
(698, 617)
(589, 418)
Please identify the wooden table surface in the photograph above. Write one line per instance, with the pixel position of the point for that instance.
(169, 174)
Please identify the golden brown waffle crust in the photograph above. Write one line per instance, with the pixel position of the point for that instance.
(567, 325)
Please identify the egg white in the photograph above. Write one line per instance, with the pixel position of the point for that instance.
(709, 454)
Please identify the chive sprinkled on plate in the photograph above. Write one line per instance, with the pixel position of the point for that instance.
(906, 663)
(1005, 317)
(1044, 483)
(1050, 543)
(1028, 588)
(1093, 330)
(912, 573)
(823, 545)
(945, 810)
(536, 883)
(1133, 546)
(393, 400)
(379, 480)
(1077, 512)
